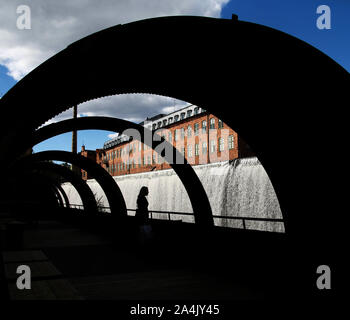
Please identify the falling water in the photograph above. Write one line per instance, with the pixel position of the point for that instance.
(241, 188)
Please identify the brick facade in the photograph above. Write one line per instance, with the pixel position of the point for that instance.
(203, 139)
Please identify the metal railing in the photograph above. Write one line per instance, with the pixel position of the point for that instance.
(169, 214)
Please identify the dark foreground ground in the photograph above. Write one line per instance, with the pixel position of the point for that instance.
(73, 259)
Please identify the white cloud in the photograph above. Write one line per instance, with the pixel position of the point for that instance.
(131, 107)
(56, 24)
(113, 135)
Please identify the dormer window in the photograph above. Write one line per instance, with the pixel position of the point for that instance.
(176, 118)
(189, 113)
(182, 115)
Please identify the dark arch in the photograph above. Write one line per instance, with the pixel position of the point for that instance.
(265, 66)
(107, 183)
(197, 195)
(266, 85)
(36, 192)
(64, 195)
(84, 191)
(58, 196)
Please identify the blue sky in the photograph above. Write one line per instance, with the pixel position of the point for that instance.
(296, 17)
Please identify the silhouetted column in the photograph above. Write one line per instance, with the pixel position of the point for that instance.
(74, 140)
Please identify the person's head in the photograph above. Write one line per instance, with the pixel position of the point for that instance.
(143, 191)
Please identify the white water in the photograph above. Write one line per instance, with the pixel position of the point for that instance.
(240, 189)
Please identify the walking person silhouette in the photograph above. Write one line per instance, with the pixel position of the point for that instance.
(142, 217)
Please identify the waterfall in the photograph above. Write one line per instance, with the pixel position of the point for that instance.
(241, 188)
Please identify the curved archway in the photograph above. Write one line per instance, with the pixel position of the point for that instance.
(36, 192)
(85, 193)
(107, 183)
(266, 67)
(64, 196)
(197, 195)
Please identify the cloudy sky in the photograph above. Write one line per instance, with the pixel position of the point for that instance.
(57, 23)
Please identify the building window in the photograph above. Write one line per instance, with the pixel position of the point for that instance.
(196, 110)
(231, 143)
(221, 144)
(176, 118)
(170, 120)
(140, 146)
(144, 160)
(189, 131)
(176, 135)
(182, 133)
(220, 124)
(170, 138)
(204, 148)
(212, 123)
(196, 129)
(189, 151)
(183, 151)
(212, 146)
(182, 116)
(189, 113)
(154, 126)
(159, 124)
(204, 126)
(154, 159)
(196, 149)
(164, 122)
(148, 160)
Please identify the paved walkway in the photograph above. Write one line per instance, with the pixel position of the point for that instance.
(69, 263)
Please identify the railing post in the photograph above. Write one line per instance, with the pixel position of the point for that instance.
(243, 220)
(169, 216)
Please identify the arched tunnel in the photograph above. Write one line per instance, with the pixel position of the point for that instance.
(266, 85)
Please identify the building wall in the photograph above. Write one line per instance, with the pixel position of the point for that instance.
(91, 154)
(134, 157)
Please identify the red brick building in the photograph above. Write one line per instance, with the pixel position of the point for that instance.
(200, 136)
(91, 154)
